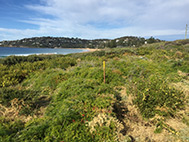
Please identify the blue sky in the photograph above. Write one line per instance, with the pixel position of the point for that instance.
(93, 19)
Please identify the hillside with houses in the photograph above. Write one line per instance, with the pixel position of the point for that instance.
(64, 42)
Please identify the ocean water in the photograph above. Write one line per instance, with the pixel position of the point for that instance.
(7, 51)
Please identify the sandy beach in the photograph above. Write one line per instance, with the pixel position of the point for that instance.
(91, 50)
(87, 49)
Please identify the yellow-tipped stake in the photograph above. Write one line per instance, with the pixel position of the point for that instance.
(104, 68)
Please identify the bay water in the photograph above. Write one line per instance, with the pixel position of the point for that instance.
(17, 51)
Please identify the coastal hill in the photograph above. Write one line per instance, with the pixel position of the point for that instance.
(63, 98)
(64, 42)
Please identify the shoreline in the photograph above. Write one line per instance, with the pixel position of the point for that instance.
(89, 49)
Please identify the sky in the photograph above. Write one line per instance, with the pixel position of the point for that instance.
(93, 19)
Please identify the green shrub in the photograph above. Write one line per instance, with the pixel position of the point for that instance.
(154, 96)
(9, 129)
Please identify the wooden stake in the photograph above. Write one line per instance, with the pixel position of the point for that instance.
(104, 68)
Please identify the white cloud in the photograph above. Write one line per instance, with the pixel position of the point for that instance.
(106, 18)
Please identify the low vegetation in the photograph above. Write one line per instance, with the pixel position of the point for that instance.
(64, 97)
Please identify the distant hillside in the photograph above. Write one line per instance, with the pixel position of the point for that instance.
(62, 42)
